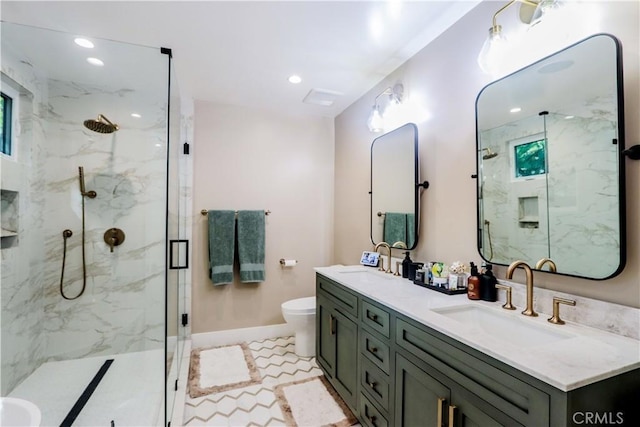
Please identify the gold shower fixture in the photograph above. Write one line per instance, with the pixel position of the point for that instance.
(101, 125)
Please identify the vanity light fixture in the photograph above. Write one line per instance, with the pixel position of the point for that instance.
(375, 122)
(494, 48)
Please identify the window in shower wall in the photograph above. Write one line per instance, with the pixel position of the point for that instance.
(530, 159)
(6, 112)
(9, 115)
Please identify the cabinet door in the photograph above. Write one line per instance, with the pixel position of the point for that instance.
(346, 358)
(325, 339)
(471, 411)
(421, 400)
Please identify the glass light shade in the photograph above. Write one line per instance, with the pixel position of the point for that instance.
(375, 122)
(493, 51)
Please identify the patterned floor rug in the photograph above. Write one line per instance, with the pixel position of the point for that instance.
(312, 402)
(213, 370)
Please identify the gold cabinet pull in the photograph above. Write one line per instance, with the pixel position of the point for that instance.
(441, 402)
(372, 316)
(452, 415)
(332, 321)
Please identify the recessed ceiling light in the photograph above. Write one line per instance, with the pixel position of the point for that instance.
(569, 117)
(83, 42)
(515, 110)
(136, 115)
(295, 79)
(95, 61)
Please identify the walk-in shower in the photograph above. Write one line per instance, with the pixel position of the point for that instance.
(106, 326)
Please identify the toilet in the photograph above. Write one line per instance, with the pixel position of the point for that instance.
(300, 314)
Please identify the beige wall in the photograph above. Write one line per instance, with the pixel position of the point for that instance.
(446, 77)
(250, 159)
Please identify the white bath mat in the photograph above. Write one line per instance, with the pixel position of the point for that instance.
(213, 370)
(313, 402)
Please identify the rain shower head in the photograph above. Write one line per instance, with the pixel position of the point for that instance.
(490, 154)
(101, 125)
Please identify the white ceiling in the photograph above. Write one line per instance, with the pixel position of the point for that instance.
(241, 53)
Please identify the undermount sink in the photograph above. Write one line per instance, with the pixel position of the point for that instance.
(522, 332)
(18, 412)
(367, 275)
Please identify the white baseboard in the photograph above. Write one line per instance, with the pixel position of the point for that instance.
(235, 336)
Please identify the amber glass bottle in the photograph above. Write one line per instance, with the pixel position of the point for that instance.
(473, 283)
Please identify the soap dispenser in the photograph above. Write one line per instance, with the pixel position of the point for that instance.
(406, 262)
(473, 283)
(488, 290)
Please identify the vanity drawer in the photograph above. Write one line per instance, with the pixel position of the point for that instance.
(375, 318)
(375, 383)
(345, 300)
(375, 350)
(517, 399)
(370, 416)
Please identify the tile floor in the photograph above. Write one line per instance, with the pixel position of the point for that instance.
(254, 405)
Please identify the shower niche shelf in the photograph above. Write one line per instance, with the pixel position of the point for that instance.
(9, 218)
(528, 212)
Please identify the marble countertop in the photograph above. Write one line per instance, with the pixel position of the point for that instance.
(584, 356)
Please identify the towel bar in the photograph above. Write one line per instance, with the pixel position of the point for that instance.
(204, 212)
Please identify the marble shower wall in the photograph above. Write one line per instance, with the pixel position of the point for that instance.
(123, 306)
(510, 241)
(584, 234)
(23, 346)
(580, 207)
(122, 309)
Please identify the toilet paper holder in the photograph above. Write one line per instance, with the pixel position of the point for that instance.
(288, 262)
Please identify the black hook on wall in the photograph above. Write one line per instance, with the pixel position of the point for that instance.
(633, 152)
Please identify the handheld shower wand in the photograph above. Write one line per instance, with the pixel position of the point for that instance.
(90, 194)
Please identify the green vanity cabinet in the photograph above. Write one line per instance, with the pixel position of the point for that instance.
(337, 339)
(395, 371)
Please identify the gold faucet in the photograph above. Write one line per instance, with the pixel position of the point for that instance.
(543, 261)
(529, 310)
(385, 245)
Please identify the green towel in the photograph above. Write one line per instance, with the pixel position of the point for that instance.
(411, 230)
(221, 246)
(251, 245)
(395, 227)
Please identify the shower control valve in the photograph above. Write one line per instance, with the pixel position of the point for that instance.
(114, 237)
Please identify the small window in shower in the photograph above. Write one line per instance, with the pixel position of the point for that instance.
(530, 159)
(6, 110)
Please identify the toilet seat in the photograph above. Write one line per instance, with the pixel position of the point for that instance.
(300, 306)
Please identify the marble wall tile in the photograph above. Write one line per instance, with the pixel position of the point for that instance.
(21, 295)
(582, 198)
(123, 306)
(606, 316)
(122, 309)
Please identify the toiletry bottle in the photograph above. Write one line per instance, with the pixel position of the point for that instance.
(429, 279)
(488, 291)
(406, 262)
(473, 283)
